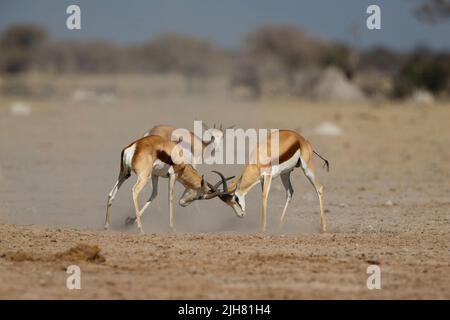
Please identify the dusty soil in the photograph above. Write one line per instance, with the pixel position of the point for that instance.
(387, 200)
(223, 265)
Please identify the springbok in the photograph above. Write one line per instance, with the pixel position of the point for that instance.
(152, 156)
(293, 151)
(169, 132)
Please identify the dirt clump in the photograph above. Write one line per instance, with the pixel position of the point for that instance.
(18, 256)
(82, 252)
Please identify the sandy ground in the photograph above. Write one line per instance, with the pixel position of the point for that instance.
(387, 200)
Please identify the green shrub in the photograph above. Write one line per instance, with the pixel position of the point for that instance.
(424, 70)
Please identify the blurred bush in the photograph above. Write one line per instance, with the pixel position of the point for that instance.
(81, 57)
(432, 11)
(192, 57)
(289, 46)
(245, 79)
(341, 56)
(18, 47)
(178, 53)
(273, 60)
(424, 69)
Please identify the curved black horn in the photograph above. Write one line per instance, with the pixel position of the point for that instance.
(220, 182)
(213, 188)
(224, 180)
(214, 193)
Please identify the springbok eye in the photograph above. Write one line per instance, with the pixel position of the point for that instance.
(237, 200)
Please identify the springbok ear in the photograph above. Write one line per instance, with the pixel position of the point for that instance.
(202, 184)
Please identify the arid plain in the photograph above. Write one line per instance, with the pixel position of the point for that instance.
(386, 197)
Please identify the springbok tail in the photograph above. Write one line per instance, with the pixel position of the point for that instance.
(326, 163)
(126, 160)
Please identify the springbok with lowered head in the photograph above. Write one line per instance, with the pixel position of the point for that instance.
(196, 156)
(293, 151)
(152, 156)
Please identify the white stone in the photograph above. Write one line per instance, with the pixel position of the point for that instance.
(328, 129)
(20, 109)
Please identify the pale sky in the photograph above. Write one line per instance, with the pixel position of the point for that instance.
(224, 22)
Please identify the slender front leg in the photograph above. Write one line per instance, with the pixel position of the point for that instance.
(171, 188)
(196, 203)
(267, 180)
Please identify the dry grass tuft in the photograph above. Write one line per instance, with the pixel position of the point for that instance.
(81, 252)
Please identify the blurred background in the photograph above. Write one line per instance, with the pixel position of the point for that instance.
(308, 49)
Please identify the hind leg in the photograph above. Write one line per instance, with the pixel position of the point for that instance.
(309, 172)
(286, 180)
(153, 195)
(111, 197)
(131, 220)
(140, 183)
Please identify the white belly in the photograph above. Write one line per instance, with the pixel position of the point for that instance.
(286, 166)
(161, 169)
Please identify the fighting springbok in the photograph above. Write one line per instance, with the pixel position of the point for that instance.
(293, 151)
(196, 156)
(215, 143)
(151, 156)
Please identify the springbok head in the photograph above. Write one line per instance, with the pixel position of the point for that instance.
(228, 196)
(217, 135)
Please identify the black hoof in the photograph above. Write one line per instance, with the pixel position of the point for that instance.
(129, 221)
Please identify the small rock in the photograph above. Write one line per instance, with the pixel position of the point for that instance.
(328, 129)
(81, 95)
(422, 97)
(390, 203)
(20, 109)
(106, 98)
(343, 205)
